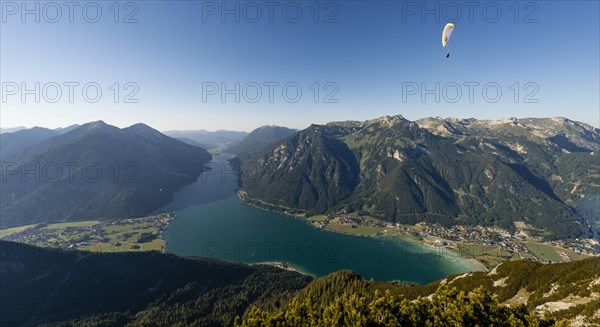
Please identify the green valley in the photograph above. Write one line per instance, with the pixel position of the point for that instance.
(131, 234)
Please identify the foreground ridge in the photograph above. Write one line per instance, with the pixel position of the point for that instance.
(63, 288)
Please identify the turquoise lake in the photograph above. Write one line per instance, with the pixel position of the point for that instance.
(210, 221)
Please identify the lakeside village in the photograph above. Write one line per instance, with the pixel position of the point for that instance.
(128, 234)
(438, 236)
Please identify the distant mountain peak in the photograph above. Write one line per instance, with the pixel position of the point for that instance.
(142, 127)
(11, 129)
(261, 138)
(38, 128)
(94, 126)
(387, 120)
(269, 127)
(69, 128)
(97, 123)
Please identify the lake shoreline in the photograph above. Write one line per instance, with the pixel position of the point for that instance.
(282, 265)
(244, 199)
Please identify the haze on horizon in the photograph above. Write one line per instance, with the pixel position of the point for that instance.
(252, 128)
(349, 60)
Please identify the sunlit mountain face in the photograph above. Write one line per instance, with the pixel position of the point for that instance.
(447, 171)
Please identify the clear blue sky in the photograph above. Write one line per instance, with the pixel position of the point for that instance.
(370, 50)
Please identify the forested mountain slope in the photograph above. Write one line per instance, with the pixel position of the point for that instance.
(542, 172)
(65, 288)
(94, 171)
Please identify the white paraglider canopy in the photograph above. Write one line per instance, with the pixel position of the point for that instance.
(448, 29)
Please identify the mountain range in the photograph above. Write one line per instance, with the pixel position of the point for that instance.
(541, 172)
(260, 139)
(11, 129)
(207, 139)
(92, 171)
